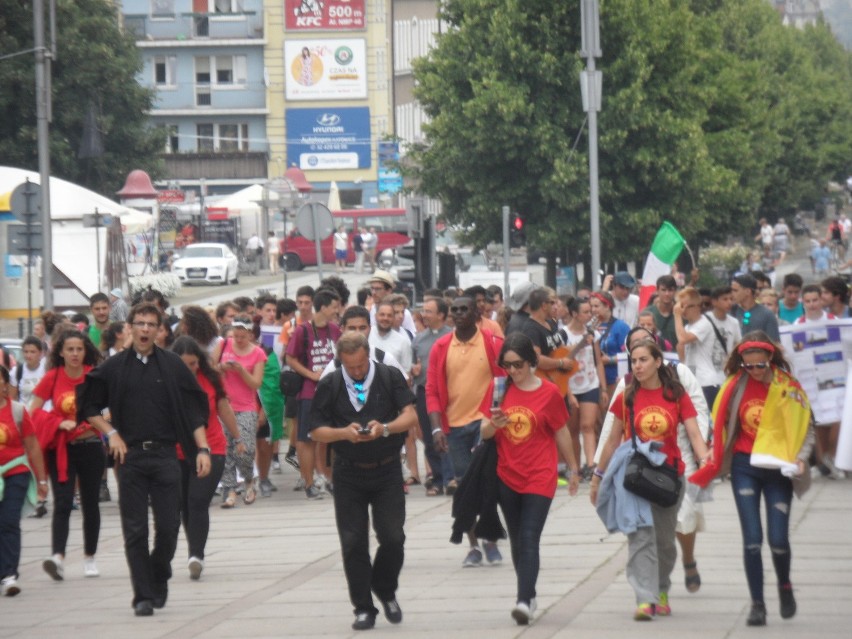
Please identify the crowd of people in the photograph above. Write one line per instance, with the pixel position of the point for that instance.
(510, 398)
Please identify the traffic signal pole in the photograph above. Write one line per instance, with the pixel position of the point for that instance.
(505, 252)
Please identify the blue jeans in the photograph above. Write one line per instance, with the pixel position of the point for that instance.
(461, 442)
(525, 515)
(10, 523)
(748, 482)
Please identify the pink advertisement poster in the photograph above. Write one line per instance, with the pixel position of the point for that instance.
(324, 15)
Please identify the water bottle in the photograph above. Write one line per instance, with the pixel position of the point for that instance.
(498, 392)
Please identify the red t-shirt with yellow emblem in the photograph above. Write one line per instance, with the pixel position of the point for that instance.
(751, 410)
(526, 449)
(656, 419)
(11, 440)
(57, 387)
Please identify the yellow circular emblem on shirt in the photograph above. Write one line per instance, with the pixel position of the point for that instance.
(68, 405)
(652, 423)
(752, 412)
(4, 436)
(520, 424)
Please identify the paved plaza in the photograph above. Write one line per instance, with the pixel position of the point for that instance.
(273, 569)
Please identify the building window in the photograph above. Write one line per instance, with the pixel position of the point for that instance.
(172, 137)
(226, 6)
(226, 70)
(202, 70)
(162, 8)
(206, 142)
(223, 138)
(165, 69)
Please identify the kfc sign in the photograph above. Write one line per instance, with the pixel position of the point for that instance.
(325, 15)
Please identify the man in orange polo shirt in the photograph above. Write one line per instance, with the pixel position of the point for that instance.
(461, 367)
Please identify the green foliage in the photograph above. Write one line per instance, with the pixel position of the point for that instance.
(713, 114)
(96, 66)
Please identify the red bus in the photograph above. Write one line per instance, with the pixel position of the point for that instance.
(390, 225)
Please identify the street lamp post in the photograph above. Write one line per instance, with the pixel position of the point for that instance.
(591, 85)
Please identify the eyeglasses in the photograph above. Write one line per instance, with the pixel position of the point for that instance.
(144, 325)
(746, 317)
(459, 309)
(377, 288)
(760, 366)
(360, 393)
(516, 364)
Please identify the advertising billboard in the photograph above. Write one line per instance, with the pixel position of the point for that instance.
(325, 69)
(324, 15)
(332, 138)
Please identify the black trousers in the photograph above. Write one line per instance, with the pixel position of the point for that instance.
(196, 494)
(86, 462)
(355, 491)
(432, 455)
(154, 474)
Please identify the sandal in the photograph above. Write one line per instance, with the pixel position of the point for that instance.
(230, 500)
(412, 481)
(434, 491)
(452, 486)
(693, 581)
(250, 496)
(429, 481)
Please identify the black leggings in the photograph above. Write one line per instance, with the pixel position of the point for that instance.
(196, 494)
(86, 462)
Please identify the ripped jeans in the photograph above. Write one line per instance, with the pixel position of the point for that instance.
(748, 483)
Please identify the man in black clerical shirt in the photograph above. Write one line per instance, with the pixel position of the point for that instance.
(364, 410)
(154, 403)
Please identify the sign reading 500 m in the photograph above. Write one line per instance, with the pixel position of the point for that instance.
(324, 15)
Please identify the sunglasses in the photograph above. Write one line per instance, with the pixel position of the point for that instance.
(517, 364)
(746, 317)
(759, 366)
(459, 309)
(360, 393)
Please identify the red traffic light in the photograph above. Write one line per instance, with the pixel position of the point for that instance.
(518, 222)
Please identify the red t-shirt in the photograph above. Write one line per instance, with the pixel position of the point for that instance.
(656, 419)
(57, 387)
(11, 441)
(215, 432)
(751, 409)
(526, 449)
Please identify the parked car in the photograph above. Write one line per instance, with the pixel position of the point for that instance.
(207, 263)
(12, 347)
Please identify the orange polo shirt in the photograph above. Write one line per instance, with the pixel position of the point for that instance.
(489, 324)
(468, 377)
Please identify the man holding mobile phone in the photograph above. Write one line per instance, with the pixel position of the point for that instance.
(364, 410)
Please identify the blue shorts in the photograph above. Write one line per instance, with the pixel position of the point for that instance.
(589, 397)
(340, 254)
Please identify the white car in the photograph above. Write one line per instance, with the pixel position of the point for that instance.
(207, 264)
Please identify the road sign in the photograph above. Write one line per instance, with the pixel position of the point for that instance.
(26, 202)
(17, 235)
(312, 229)
(93, 220)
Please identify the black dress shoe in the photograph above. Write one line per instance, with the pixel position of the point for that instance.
(143, 608)
(393, 612)
(787, 601)
(757, 615)
(364, 621)
(162, 594)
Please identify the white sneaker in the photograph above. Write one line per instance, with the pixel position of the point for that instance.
(9, 586)
(522, 613)
(90, 568)
(53, 567)
(195, 566)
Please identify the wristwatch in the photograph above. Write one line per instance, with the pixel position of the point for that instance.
(385, 431)
(206, 451)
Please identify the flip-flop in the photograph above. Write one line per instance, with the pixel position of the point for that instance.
(412, 481)
(693, 582)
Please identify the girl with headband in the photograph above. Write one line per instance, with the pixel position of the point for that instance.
(763, 430)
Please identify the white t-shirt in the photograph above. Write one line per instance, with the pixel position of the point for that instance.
(729, 328)
(395, 344)
(585, 379)
(29, 380)
(767, 234)
(253, 243)
(699, 353)
(628, 310)
(340, 241)
(272, 245)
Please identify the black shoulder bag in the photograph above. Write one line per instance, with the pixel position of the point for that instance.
(290, 383)
(658, 484)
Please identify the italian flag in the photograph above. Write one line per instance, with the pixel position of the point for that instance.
(664, 251)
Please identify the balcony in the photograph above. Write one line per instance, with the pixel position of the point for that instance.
(216, 166)
(191, 27)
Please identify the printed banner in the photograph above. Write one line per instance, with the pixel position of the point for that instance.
(333, 138)
(324, 15)
(325, 69)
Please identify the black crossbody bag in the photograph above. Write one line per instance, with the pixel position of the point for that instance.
(658, 484)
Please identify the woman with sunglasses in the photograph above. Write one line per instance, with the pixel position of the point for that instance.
(760, 405)
(655, 402)
(529, 425)
(76, 450)
(612, 332)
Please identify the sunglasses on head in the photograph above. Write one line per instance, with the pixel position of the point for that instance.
(760, 366)
(518, 364)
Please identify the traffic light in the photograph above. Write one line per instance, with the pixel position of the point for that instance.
(517, 234)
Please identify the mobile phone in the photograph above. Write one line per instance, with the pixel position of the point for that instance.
(365, 430)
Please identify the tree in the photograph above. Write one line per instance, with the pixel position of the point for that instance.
(702, 121)
(94, 74)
